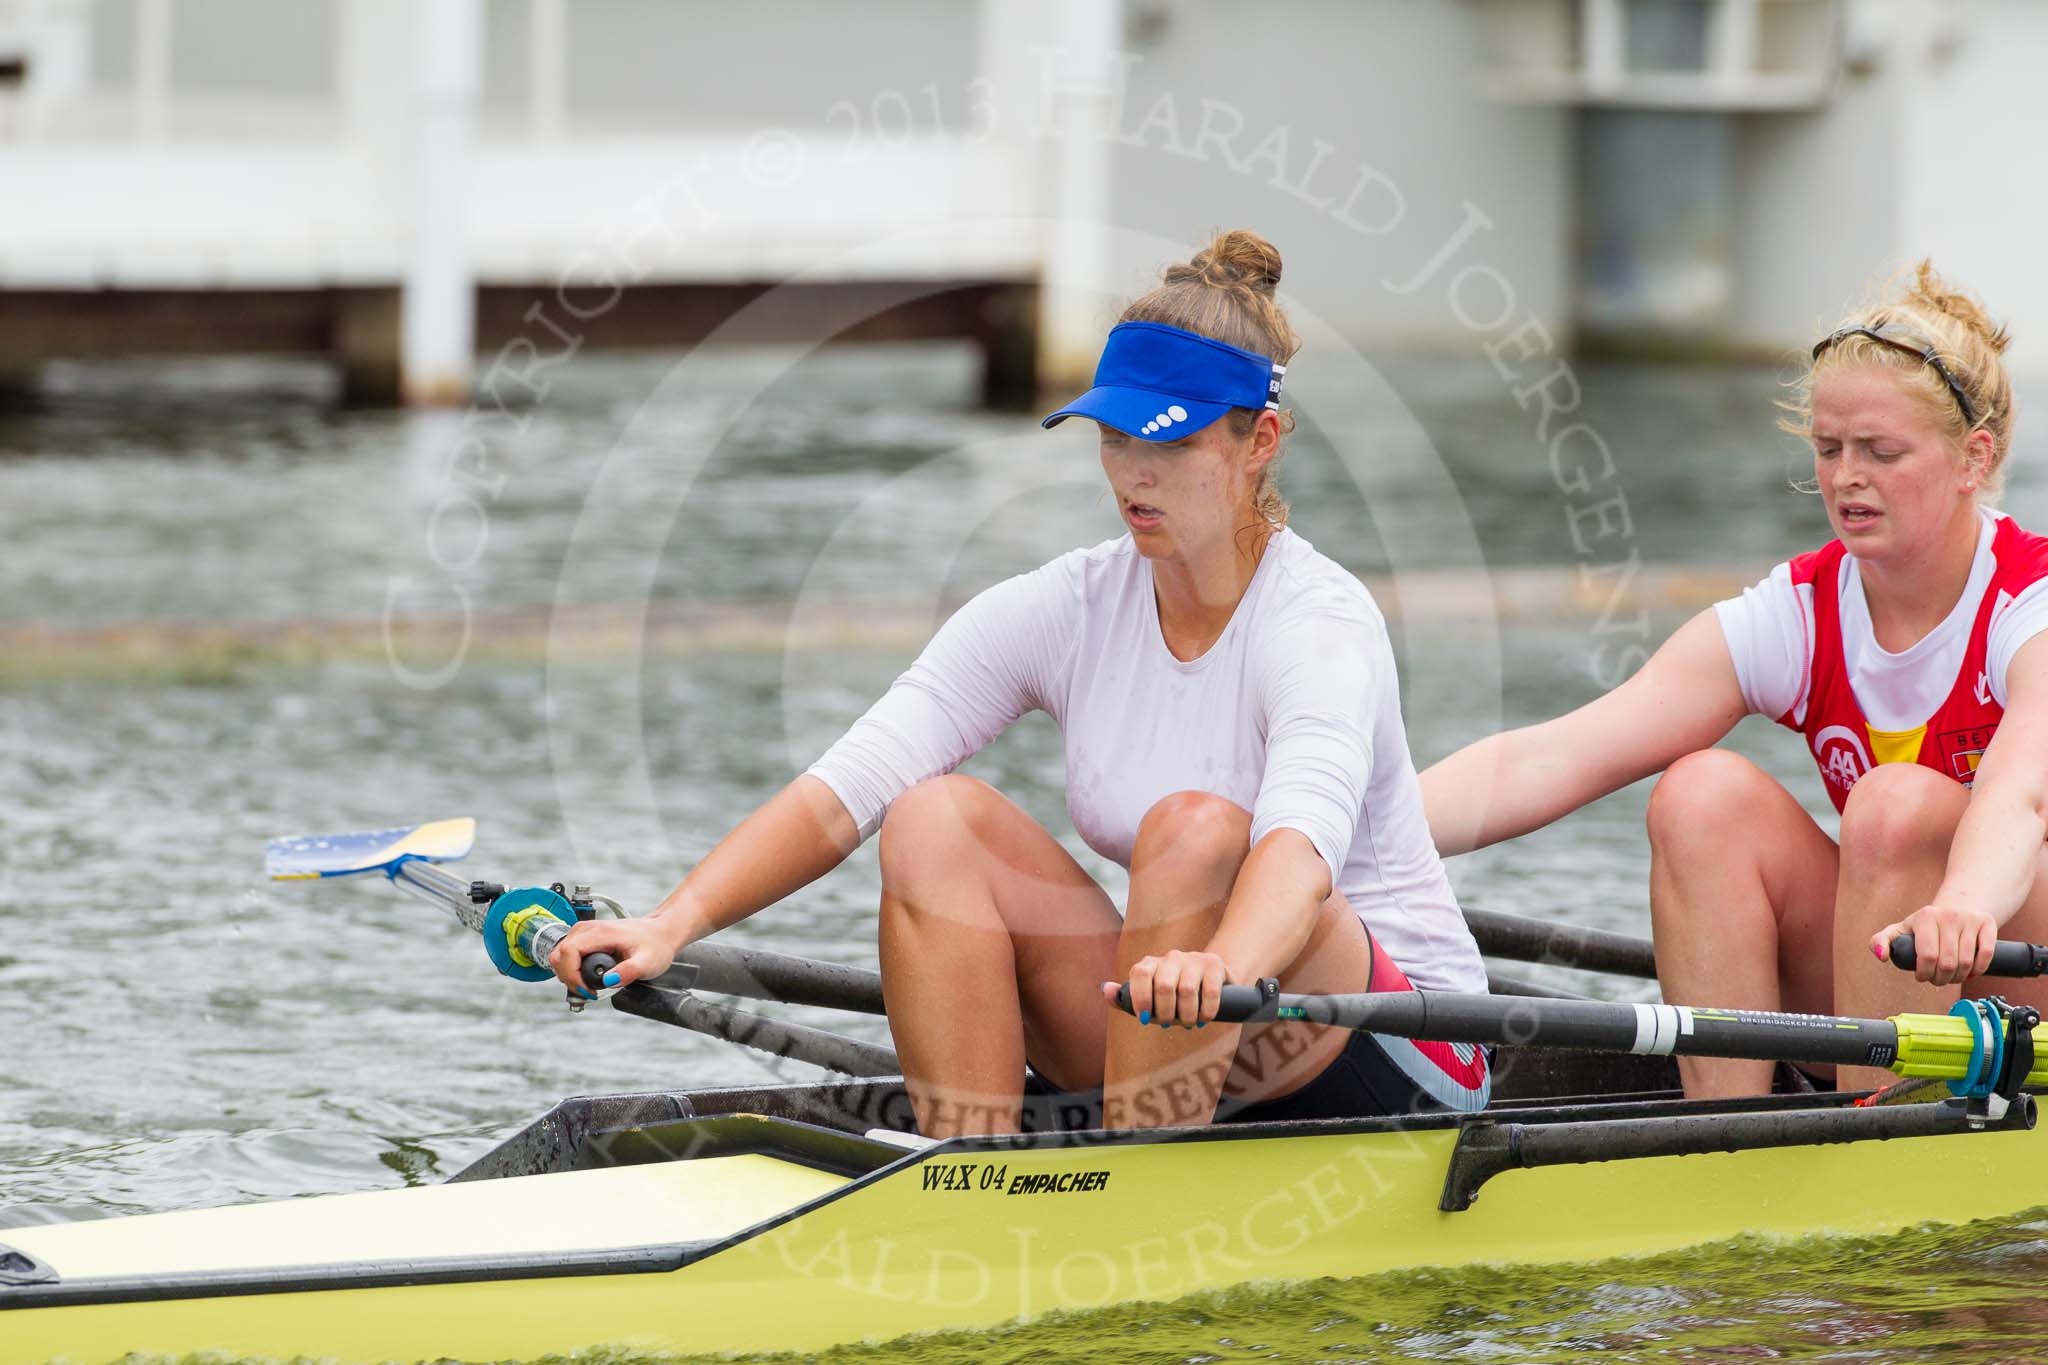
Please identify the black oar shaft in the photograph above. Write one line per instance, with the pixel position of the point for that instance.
(1563, 945)
(1603, 1026)
(758, 974)
(776, 1037)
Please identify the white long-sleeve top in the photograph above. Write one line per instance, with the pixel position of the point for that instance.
(1294, 714)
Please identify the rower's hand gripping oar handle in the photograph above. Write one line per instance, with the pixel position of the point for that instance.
(593, 969)
(1240, 1004)
(2007, 959)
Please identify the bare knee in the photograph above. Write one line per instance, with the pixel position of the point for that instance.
(1184, 861)
(1191, 833)
(1707, 794)
(935, 820)
(1900, 812)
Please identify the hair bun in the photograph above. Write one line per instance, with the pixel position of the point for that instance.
(1237, 257)
(1930, 292)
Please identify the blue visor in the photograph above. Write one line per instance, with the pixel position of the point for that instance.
(1160, 383)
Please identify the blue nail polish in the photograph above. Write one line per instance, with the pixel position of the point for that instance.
(1202, 1024)
(585, 994)
(611, 978)
(1144, 1016)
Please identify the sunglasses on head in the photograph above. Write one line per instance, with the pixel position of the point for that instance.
(1886, 333)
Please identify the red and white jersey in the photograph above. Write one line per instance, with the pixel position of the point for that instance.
(1807, 657)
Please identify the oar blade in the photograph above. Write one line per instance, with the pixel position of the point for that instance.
(307, 856)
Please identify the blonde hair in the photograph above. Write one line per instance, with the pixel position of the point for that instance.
(1225, 292)
(1960, 332)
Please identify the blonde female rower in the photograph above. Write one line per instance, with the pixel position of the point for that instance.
(1909, 654)
(1233, 737)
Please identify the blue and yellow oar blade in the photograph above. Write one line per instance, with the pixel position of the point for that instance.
(307, 856)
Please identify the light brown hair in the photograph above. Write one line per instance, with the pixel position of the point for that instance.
(1225, 292)
(1962, 334)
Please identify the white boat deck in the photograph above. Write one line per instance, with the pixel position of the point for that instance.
(619, 1206)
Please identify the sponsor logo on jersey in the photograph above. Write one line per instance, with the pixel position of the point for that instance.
(1841, 755)
(1983, 689)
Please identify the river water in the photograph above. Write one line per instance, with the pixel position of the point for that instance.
(199, 564)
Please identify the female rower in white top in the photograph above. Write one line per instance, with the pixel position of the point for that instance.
(1233, 737)
(1899, 651)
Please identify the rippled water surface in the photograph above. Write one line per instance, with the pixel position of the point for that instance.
(183, 1033)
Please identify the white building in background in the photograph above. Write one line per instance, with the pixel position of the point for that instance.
(1746, 167)
(267, 174)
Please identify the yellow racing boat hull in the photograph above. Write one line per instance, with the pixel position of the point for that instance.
(773, 1237)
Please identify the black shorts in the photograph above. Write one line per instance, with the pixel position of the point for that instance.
(1367, 1078)
(1372, 1076)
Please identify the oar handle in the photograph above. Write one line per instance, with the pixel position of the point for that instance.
(2007, 959)
(594, 968)
(1240, 1004)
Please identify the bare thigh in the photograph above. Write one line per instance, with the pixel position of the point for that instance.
(956, 834)
(1742, 889)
